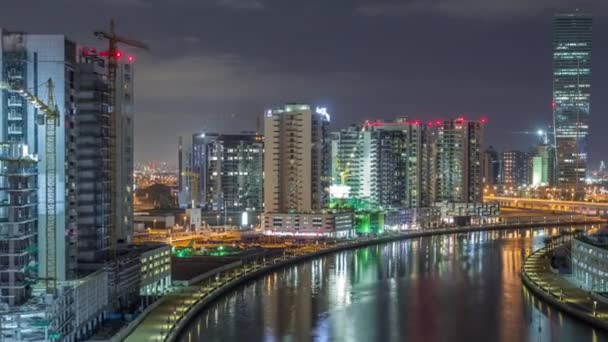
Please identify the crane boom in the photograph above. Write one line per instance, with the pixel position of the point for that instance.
(51, 116)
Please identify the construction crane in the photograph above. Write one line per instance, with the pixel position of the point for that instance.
(50, 115)
(114, 54)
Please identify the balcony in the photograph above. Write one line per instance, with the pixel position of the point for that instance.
(14, 115)
(14, 129)
(15, 101)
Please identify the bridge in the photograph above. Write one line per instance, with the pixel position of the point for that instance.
(574, 207)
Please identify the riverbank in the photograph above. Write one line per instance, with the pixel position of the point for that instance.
(166, 321)
(557, 291)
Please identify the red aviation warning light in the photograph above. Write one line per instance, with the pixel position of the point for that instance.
(483, 120)
(131, 58)
(117, 54)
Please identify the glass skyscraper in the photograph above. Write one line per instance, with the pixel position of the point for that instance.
(571, 95)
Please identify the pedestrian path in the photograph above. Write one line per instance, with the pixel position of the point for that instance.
(562, 291)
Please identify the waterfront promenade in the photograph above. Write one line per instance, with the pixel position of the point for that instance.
(561, 293)
(164, 321)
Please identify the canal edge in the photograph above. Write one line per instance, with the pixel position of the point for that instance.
(220, 291)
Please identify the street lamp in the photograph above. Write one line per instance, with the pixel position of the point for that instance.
(594, 308)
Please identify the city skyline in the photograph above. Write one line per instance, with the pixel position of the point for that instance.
(308, 137)
(217, 75)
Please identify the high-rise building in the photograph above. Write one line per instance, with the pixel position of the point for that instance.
(407, 164)
(188, 178)
(542, 161)
(28, 61)
(491, 166)
(100, 218)
(222, 172)
(296, 158)
(18, 223)
(233, 176)
(93, 161)
(381, 163)
(571, 95)
(124, 150)
(351, 163)
(515, 168)
(459, 157)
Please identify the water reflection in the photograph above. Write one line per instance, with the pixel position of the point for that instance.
(461, 287)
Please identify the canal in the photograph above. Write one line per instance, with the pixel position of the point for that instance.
(460, 287)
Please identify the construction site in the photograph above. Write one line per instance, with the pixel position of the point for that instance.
(66, 172)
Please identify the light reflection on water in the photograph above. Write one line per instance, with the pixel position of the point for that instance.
(461, 287)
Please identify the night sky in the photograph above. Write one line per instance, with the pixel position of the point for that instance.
(216, 64)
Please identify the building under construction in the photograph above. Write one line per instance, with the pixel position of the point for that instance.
(66, 164)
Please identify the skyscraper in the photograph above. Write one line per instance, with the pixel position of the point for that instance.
(18, 223)
(381, 163)
(233, 177)
(187, 178)
(99, 218)
(222, 171)
(459, 177)
(515, 168)
(571, 95)
(124, 149)
(491, 166)
(296, 158)
(93, 162)
(408, 164)
(29, 60)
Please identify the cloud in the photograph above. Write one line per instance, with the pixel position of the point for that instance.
(229, 78)
(474, 9)
(245, 5)
(241, 5)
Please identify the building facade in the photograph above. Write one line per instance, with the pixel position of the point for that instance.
(408, 164)
(188, 178)
(296, 159)
(222, 172)
(572, 43)
(18, 223)
(515, 166)
(309, 225)
(383, 163)
(590, 262)
(491, 167)
(541, 165)
(459, 158)
(29, 61)
(233, 176)
(93, 160)
(124, 150)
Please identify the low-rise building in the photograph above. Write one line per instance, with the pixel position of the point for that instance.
(155, 269)
(319, 224)
(140, 270)
(464, 214)
(90, 303)
(590, 261)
